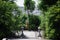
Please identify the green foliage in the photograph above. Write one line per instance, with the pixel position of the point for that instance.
(29, 5)
(19, 22)
(42, 21)
(54, 17)
(16, 20)
(45, 4)
(50, 18)
(6, 15)
(34, 22)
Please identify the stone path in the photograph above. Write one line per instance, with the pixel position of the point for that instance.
(32, 35)
(27, 39)
(29, 34)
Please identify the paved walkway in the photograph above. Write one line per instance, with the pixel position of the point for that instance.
(28, 39)
(32, 35)
(29, 34)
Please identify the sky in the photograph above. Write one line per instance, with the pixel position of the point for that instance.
(21, 2)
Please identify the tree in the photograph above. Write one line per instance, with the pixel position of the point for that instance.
(29, 6)
(45, 4)
(6, 9)
(16, 19)
(54, 17)
(51, 10)
(34, 22)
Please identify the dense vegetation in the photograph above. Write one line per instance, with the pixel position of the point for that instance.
(29, 6)
(51, 15)
(7, 18)
(12, 19)
(34, 22)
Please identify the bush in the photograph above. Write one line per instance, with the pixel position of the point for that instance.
(34, 22)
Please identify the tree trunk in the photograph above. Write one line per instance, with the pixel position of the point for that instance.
(27, 21)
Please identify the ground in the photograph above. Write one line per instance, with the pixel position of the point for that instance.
(32, 35)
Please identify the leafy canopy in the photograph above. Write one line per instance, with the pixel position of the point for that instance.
(29, 5)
